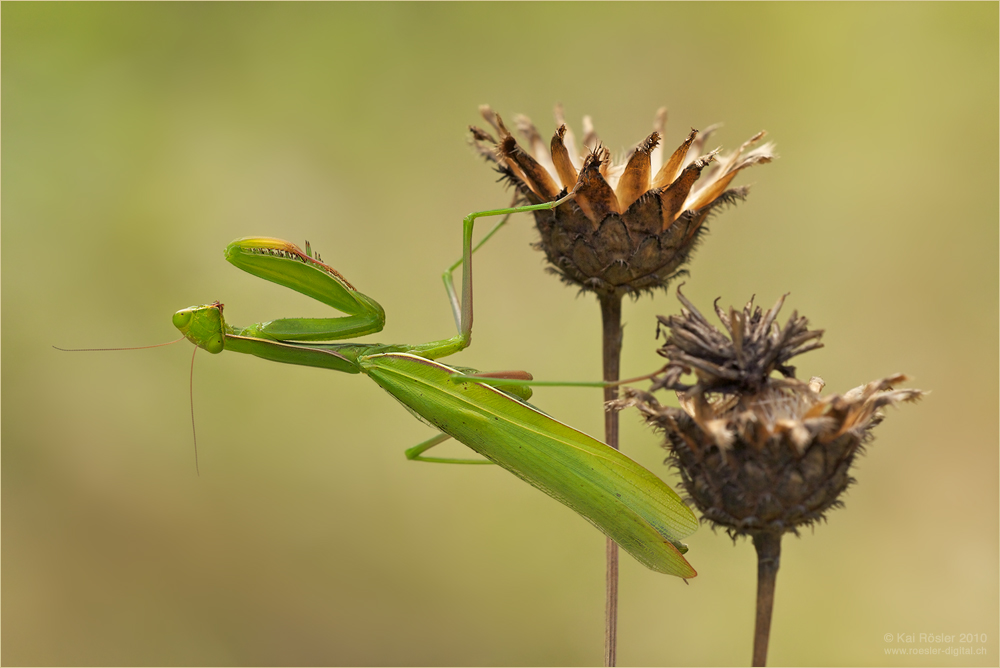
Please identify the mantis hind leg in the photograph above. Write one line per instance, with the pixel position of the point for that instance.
(519, 383)
(414, 453)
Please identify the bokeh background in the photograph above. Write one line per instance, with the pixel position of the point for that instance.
(138, 140)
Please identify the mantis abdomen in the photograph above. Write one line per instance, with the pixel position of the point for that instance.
(618, 496)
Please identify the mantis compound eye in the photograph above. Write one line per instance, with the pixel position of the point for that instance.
(181, 319)
(215, 344)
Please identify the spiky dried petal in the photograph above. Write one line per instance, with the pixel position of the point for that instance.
(590, 139)
(484, 143)
(668, 173)
(490, 116)
(698, 145)
(569, 140)
(561, 160)
(539, 150)
(730, 162)
(715, 188)
(536, 177)
(660, 128)
(635, 179)
(593, 194)
(674, 196)
(726, 169)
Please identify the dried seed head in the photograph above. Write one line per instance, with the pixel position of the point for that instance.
(632, 225)
(740, 361)
(758, 453)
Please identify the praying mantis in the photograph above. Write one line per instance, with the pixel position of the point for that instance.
(489, 414)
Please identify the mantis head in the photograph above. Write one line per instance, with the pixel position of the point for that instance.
(203, 326)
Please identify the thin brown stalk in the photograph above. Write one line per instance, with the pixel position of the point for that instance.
(611, 320)
(768, 560)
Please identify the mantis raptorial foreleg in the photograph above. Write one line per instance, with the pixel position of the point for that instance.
(622, 499)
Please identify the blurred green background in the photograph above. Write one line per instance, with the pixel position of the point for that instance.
(139, 139)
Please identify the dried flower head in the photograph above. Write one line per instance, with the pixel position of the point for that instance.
(758, 453)
(632, 224)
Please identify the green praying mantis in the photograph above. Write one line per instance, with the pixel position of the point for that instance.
(487, 413)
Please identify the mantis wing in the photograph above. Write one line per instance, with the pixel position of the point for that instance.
(618, 496)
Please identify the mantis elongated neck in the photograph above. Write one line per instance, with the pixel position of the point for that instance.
(437, 349)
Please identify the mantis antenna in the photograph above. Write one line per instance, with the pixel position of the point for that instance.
(90, 350)
(194, 434)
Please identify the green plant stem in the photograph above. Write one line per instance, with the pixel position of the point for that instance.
(611, 321)
(768, 560)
